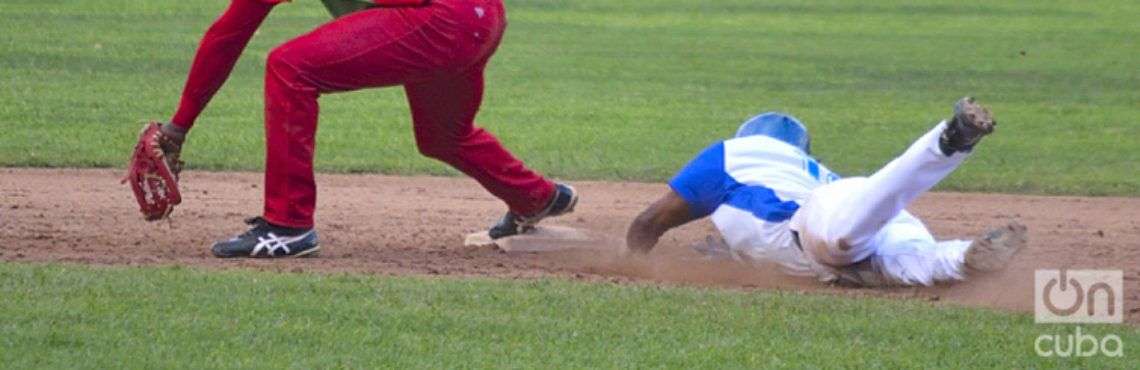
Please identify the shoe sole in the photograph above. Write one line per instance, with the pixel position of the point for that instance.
(573, 201)
(994, 251)
(311, 252)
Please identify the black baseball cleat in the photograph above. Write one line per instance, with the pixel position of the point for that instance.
(565, 198)
(264, 240)
(971, 122)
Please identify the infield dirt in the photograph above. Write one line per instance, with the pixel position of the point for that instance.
(415, 226)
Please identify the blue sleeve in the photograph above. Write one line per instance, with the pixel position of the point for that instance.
(702, 182)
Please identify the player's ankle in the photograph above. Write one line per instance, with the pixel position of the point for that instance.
(174, 132)
(285, 229)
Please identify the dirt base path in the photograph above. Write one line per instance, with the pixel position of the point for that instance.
(415, 225)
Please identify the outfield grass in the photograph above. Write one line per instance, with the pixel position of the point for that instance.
(70, 316)
(608, 89)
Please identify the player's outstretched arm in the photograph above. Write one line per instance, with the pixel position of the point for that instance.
(217, 54)
(666, 213)
(155, 164)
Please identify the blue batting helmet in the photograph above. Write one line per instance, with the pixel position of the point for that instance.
(778, 126)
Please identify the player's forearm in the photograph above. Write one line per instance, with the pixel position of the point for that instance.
(663, 215)
(217, 54)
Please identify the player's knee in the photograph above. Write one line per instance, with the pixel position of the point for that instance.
(284, 63)
(278, 58)
(445, 153)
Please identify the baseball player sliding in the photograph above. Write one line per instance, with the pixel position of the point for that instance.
(436, 49)
(771, 201)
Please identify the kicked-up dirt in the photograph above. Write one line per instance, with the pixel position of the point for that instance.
(416, 225)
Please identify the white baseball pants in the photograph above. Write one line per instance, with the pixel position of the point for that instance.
(863, 220)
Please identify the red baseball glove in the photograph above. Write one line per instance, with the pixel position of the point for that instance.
(153, 173)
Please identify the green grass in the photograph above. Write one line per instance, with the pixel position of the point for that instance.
(606, 89)
(71, 316)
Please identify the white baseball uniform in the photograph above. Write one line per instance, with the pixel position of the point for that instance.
(771, 201)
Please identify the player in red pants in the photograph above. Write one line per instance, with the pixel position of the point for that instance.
(436, 49)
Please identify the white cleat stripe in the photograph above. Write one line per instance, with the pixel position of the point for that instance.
(274, 243)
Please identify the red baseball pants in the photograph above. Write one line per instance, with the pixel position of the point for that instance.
(437, 52)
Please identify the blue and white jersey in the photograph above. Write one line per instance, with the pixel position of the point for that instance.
(751, 186)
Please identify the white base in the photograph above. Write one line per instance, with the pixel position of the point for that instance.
(541, 239)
